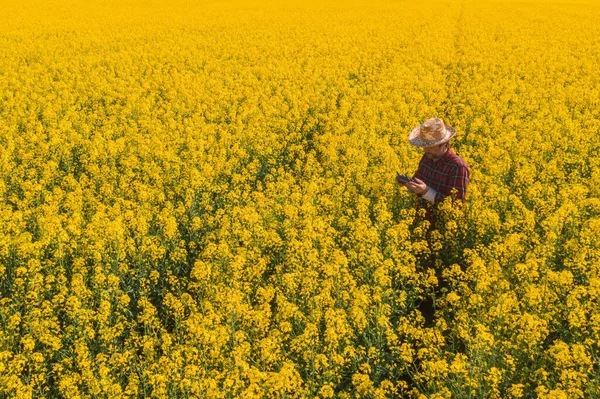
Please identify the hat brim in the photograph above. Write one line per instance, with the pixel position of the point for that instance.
(417, 141)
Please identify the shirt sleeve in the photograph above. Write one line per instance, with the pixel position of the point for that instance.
(459, 181)
(430, 195)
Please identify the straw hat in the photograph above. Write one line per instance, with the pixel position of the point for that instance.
(432, 132)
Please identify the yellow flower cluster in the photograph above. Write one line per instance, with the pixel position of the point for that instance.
(198, 199)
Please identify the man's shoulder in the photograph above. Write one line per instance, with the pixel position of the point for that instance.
(455, 160)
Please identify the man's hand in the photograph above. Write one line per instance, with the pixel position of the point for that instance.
(417, 186)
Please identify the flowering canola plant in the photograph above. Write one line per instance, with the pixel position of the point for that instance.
(198, 199)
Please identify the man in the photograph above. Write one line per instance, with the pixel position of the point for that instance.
(441, 173)
(440, 170)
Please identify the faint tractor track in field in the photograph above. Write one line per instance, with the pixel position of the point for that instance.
(451, 107)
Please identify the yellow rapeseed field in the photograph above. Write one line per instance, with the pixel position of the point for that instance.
(198, 199)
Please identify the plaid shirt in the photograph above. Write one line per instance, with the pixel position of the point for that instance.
(443, 175)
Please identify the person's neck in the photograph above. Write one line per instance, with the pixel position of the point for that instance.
(441, 156)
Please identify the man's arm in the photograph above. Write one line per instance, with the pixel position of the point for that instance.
(459, 181)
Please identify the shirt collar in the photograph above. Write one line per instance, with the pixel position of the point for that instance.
(447, 155)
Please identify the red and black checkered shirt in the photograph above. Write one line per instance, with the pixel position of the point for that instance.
(443, 175)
